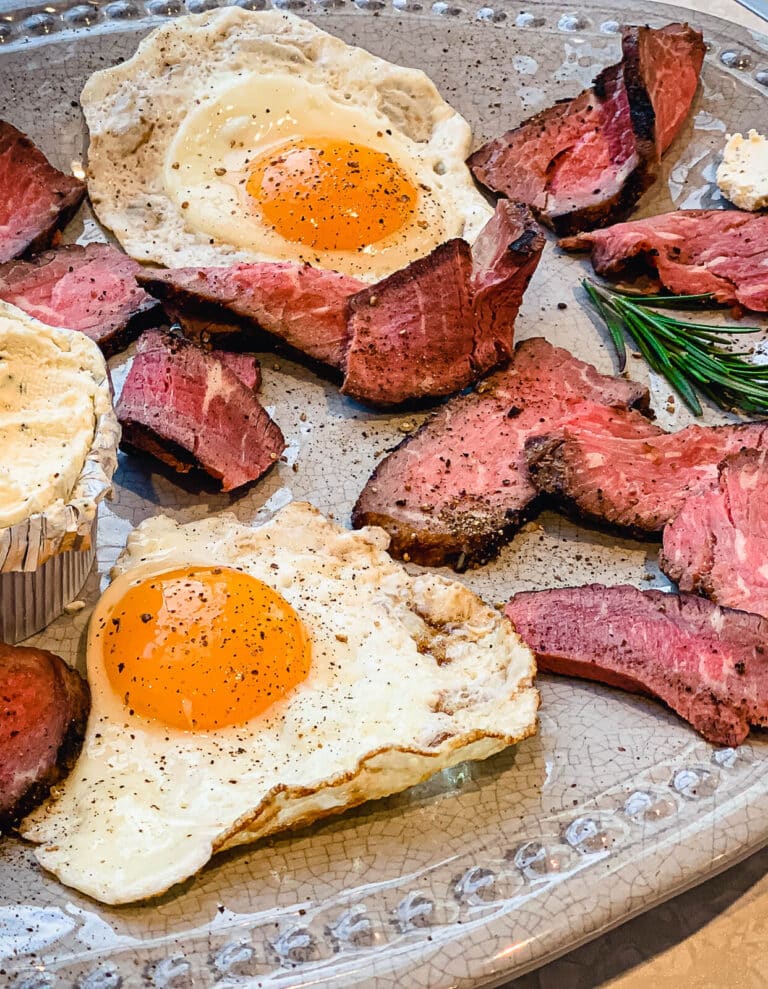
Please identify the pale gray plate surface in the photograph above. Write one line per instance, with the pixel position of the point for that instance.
(490, 869)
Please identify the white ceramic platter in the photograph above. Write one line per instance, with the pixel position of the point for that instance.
(489, 869)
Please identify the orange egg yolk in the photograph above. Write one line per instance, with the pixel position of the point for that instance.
(200, 648)
(331, 195)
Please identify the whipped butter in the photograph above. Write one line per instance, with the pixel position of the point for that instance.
(51, 394)
(742, 175)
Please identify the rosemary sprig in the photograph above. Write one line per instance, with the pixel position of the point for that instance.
(689, 355)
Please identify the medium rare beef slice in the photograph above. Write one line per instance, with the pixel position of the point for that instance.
(586, 161)
(708, 663)
(439, 324)
(457, 489)
(186, 407)
(614, 467)
(718, 543)
(92, 289)
(412, 334)
(302, 306)
(722, 252)
(36, 199)
(504, 257)
(43, 710)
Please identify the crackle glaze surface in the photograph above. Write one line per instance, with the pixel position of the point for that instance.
(488, 869)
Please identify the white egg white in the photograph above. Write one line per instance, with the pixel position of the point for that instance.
(206, 94)
(409, 675)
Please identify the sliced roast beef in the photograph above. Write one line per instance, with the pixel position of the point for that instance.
(43, 710)
(718, 543)
(457, 489)
(720, 251)
(92, 289)
(302, 306)
(585, 162)
(36, 199)
(443, 321)
(412, 335)
(709, 664)
(186, 407)
(614, 467)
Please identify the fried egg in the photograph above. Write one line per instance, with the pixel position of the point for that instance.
(246, 680)
(254, 136)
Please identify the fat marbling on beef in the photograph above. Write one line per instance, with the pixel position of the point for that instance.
(586, 161)
(443, 321)
(457, 489)
(92, 289)
(189, 408)
(43, 710)
(718, 543)
(614, 467)
(720, 251)
(36, 199)
(708, 663)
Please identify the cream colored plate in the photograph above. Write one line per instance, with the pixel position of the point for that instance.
(489, 869)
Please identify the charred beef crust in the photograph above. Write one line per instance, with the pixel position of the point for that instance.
(60, 194)
(47, 748)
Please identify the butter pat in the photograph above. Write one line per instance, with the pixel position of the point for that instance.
(50, 398)
(742, 175)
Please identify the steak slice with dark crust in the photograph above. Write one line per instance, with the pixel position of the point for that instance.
(720, 251)
(709, 664)
(586, 161)
(718, 543)
(36, 199)
(92, 289)
(614, 467)
(188, 408)
(301, 306)
(457, 489)
(43, 711)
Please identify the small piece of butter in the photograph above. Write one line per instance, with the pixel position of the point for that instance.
(742, 175)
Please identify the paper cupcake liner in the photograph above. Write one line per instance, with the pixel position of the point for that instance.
(45, 558)
(30, 600)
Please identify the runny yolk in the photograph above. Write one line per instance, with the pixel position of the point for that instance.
(330, 194)
(200, 648)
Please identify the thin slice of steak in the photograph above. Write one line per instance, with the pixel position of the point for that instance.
(189, 409)
(43, 710)
(709, 664)
(445, 320)
(614, 467)
(303, 307)
(36, 199)
(718, 543)
(92, 289)
(720, 251)
(457, 489)
(586, 161)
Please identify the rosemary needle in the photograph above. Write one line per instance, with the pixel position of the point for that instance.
(688, 354)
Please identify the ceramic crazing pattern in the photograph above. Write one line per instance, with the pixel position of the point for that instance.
(487, 869)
